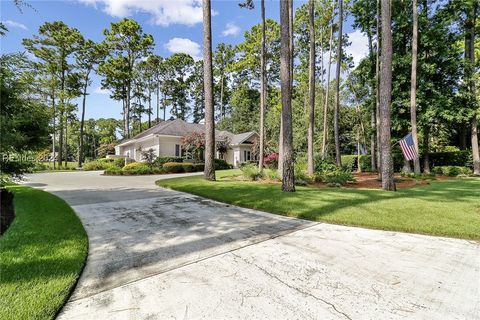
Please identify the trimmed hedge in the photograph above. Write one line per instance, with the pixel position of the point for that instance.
(452, 171)
(97, 165)
(160, 161)
(173, 167)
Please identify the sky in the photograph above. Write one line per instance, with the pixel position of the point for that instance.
(176, 26)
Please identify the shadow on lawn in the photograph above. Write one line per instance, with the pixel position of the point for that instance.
(315, 203)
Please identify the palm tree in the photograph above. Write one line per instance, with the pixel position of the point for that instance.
(413, 87)
(288, 178)
(209, 172)
(336, 109)
(311, 86)
(386, 98)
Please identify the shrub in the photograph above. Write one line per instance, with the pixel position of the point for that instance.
(198, 167)
(459, 159)
(250, 172)
(139, 168)
(173, 167)
(222, 165)
(271, 174)
(330, 174)
(160, 161)
(350, 162)
(97, 165)
(452, 171)
(188, 167)
(114, 171)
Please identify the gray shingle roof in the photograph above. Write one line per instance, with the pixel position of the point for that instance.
(181, 128)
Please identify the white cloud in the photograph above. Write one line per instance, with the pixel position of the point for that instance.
(231, 30)
(184, 45)
(164, 12)
(359, 47)
(14, 24)
(99, 90)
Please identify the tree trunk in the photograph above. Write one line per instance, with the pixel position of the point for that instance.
(426, 149)
(222, 112)
(373, 162)
(325, 104)
(413, 88)
(209, 172)
(388, 182)
(149, 109)
(82, 124)
(54, 130)
(311, 87)
(474, 121)
(158, 103)
(336, 109)
(377, 95)
(288, 178)
(127, 111)
(263, 93)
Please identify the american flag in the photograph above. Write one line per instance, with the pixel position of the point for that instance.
(408, 147)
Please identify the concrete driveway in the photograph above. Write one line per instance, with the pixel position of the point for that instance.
(161, 254)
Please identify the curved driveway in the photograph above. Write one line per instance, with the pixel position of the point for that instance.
(161, 254)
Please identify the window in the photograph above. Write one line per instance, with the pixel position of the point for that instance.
(247, 156)
(178, 151)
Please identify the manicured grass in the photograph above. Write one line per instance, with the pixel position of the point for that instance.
(445, 208)
(41, 256)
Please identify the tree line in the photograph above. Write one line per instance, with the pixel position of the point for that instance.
(292, 81)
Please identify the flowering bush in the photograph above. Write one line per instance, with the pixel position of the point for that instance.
(271, 160)
(195, 143)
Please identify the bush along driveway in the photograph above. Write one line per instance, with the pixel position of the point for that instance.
(41, 256)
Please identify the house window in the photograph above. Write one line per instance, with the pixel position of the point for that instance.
(247, 155)
(178, 151)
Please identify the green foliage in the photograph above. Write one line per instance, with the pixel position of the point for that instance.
(271, 174)
(329, 173)
(138, 168)
(23, 119)
(97, 165)
(160, 161)
(457, 158)
(188, 167)
(452, 171)
(251, 172)
(221, 164)
(114, 171)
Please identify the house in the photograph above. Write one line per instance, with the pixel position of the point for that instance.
(165, 139)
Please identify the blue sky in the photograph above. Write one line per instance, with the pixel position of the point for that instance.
(175, 25)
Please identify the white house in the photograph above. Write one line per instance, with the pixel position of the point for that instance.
(165, 140)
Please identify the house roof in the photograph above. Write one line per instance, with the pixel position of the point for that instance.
(180, 128)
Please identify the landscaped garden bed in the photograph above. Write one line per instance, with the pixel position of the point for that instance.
(41, 256)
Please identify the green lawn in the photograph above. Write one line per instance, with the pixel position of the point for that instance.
(41, 256)
(445, 208)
